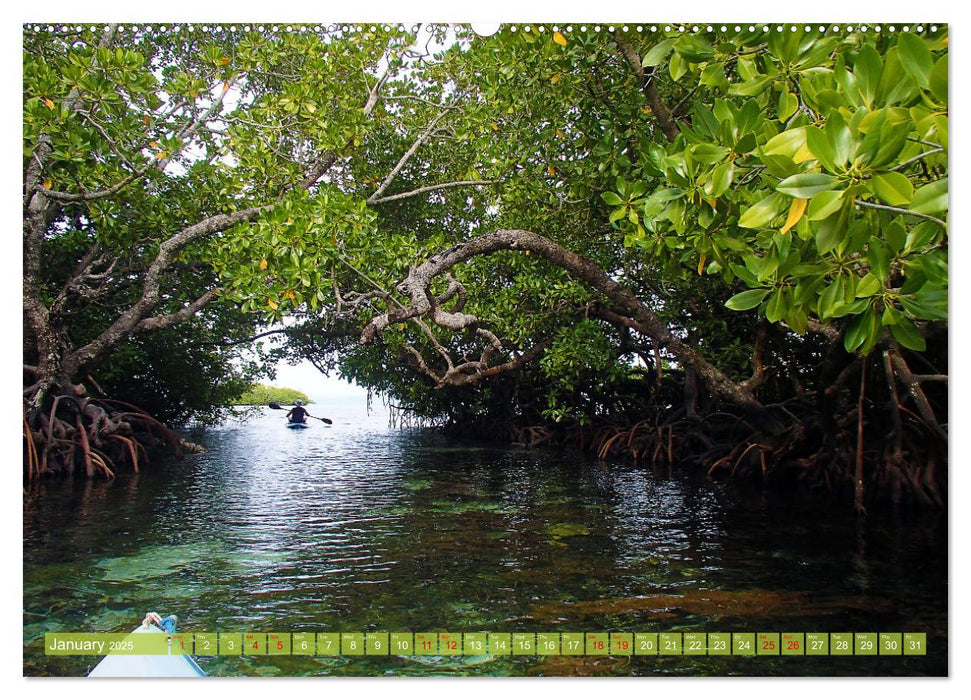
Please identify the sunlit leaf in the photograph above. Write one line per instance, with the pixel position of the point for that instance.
(748, 299)
(796, 210)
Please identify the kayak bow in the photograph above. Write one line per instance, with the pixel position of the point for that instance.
(134, 666)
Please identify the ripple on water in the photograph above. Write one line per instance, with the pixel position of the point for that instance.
(357, 528)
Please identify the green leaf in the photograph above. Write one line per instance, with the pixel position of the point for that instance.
(830, 298)
(849, 309)
(931, 199)
(780, 166)
(751, 88)
(841, 138)
(895, 236)
(777, 306)
(805, 185)
(879, 257)
(915, 57)
(787, 142)
(821, 147)
(890, 316)
(867, 69)
(761, 213)
(611, 199)
(929, 303)
(871, 125)
(666, 194)
(938, 81)
(748, 299)
(677, 67)
(907, 334)
(797, 320)
(746, 275)
(708, 153)
(787, 106)
(863, 333)
(721, 179)
(922, 235)
(694, 49)
(896, 85)
(807, 289)
(893, 138)
(830, 231)
(657, 54)
(868, 286)
(893, 188)
(824, 204)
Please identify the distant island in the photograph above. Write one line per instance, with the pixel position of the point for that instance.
(261, 395)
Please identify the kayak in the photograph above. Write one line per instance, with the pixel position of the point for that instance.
(297, 426)
(132, 666)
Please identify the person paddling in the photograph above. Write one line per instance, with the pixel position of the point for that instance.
(298, 414)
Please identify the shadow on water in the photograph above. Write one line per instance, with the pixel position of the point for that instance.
(358, 528)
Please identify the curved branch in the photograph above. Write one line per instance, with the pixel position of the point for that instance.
(151, 287)
(419, 281)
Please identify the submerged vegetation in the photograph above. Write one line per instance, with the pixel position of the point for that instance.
(720, 248)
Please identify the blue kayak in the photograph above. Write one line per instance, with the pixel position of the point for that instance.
(297, 426)
(133, 666)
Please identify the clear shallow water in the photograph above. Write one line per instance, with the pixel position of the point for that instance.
(357, 528)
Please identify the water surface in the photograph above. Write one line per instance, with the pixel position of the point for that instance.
(356, 527)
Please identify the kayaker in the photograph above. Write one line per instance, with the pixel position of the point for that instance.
(298, 414)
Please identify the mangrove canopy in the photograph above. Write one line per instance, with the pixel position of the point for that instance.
(690, 244)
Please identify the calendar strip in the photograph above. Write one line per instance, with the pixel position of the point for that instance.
(512, 644)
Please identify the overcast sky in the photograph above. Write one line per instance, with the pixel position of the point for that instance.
(305, 377)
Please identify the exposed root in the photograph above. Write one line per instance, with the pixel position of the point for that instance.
(81, 435)
(830, 447)
(33, 466)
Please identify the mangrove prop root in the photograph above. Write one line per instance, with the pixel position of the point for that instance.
(77, 435)
(32, 464)
(131, 450)
(85, 448)
(858, 478)
(836, 454)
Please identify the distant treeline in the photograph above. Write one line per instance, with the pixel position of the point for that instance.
(261, 395)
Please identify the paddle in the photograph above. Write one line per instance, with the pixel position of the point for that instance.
(274, 404)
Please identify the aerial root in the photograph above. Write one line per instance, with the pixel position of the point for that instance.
(93, 438)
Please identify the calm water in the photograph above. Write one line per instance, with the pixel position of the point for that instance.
(358, 528)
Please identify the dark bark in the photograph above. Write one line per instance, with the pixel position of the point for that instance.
(662, 114)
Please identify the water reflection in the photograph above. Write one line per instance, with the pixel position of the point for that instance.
(356, 528)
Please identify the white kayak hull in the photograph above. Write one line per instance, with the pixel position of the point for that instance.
(136, 666)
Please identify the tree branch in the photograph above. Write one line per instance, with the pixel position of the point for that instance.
(151, 286)
(660, 110)
(408, 154)
(913, 387)
(372, 201)
(155, 323)
(899, 210)
(327, 160)
(419, 281)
